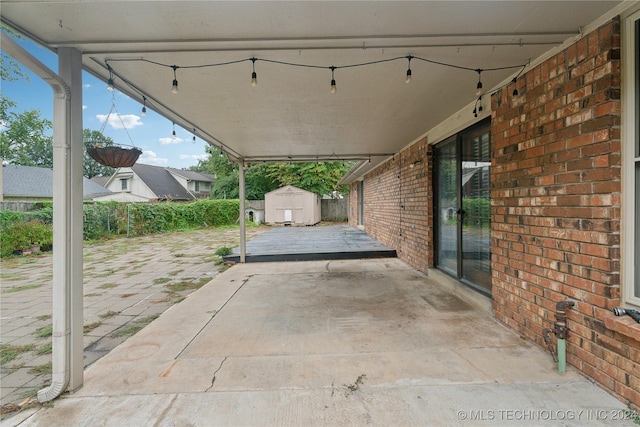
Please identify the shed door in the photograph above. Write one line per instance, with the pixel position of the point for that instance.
(288, 215)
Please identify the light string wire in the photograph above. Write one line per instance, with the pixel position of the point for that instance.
(324, 67)
(147, 103)
(332, 68)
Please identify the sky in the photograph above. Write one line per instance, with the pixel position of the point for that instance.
(151, 133)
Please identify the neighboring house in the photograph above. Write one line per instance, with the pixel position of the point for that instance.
(33, 184)
(146, 183)
(535, 204)
(291, 205)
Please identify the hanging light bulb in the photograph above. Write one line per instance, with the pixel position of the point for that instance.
(480, 105)
(144, 106)
(194, 136)
(173, 134)
(110, 81)
(515, 88)
(333, 81)
(479, 85)
(408, 79)
(254, 76)
(174, 86)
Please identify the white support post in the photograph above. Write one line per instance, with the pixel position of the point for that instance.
(243, 228)
(70, 69)
(66, 339)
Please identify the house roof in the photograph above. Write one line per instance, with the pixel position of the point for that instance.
(101, 180)
(30, 181)
(161, 182)
(192, 175)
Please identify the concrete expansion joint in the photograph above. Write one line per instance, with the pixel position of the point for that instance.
(213, 380)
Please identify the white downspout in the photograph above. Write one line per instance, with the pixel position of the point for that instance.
(61, 218)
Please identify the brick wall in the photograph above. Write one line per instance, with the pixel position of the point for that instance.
(556, 207)
(398, 205)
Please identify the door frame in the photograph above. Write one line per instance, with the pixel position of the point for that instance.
(456, 139)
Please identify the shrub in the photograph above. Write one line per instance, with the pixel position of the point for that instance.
(21, 235)
(149, 218)
(39, 233)
(224, 251)
(19, 230)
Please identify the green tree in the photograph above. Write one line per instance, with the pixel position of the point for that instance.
(90, 167)
(227, 182)
(318, 177)
(10, 69)
(24, 139)
(216, 163)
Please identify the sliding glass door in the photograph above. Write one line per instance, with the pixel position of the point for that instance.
(447, 202)
(463, 245)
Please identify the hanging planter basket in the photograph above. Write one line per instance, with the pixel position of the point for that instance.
(114, 156)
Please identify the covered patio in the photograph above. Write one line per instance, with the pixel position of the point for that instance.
(351, 342)
(380, 84)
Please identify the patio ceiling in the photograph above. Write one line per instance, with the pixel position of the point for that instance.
(291, 113)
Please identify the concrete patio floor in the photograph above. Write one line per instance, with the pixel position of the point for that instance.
(349, 342)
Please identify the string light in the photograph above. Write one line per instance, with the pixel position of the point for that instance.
(173, 134)
(194, 136)
(333, 80)
(110, 81)
(174, 86)
(479, 85)
(254, 76)
(144, 106)
(477, 108)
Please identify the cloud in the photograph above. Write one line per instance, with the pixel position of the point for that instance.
(3, 125)
(193, 156)
(84, 107)
(170, 140)
(86, 85)
(151, 158)
(129, 120)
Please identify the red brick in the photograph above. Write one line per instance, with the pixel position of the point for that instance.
(566, 220)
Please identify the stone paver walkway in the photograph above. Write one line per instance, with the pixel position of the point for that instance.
(128, 282)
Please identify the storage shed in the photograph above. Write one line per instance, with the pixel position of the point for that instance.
(291, 205)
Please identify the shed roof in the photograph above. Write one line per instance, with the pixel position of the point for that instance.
(288, 188)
